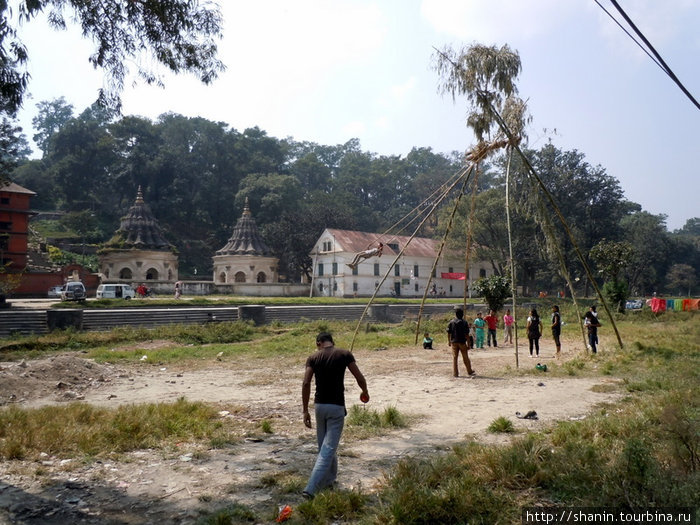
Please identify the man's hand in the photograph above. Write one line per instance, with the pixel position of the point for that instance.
(307, 419)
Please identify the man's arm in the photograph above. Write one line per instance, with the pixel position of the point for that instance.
(355, 371)
(306, 394)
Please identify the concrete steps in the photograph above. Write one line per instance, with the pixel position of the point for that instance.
(24, 322)
(27, 322)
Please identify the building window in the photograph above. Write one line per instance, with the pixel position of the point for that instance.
(262, 278)
(239, 277)
(151, 274)
(397, 270)
(335, 268)
(335, 286)
(125, 273)
(434, 273)
(393, 245)
(415, 271)
(482, 272)
(320, 287)
(376, 268)
(4, 200)
(354, 270)
(415, 287)
(5, 225)
(4, 242)
(320, 269)
(450, 270)
(354, 287)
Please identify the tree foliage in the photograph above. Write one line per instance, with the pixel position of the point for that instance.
(177, 34)
(495, 290)
(195, 175)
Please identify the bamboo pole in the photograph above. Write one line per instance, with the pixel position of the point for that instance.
(374, 295)
(560, 216)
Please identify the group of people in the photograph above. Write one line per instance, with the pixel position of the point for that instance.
(328, 364)
(488, 326)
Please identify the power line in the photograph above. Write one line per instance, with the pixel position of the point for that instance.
(658, 60)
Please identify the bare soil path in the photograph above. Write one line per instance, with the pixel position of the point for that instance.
(165, 487)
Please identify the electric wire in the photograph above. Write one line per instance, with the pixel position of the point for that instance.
(659, 60)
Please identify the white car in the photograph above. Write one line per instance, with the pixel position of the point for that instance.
(115, 291)
(73, 291)
(55, 291)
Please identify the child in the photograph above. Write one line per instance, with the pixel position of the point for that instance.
(427, 341)
(479, 325)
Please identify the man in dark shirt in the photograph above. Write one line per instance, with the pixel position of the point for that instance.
(457, 334)
(556, 329)
(328, 366)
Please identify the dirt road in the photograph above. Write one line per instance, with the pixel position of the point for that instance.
(151, 486)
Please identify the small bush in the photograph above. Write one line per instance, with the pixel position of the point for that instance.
(501, 425)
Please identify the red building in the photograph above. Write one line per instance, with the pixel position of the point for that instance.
(14, 225)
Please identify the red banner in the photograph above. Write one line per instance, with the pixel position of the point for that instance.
(453, 275)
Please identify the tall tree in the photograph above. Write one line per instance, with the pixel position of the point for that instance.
(49, 120)
(14, 147)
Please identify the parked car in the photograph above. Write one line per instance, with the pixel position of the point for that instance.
(115, 291)
(55, 291)
(73, 291)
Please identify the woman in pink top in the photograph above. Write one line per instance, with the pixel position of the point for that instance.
(508, 330)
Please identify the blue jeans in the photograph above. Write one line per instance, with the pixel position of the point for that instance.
(329, 427)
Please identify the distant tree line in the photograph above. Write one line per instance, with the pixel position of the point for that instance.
(196, 174)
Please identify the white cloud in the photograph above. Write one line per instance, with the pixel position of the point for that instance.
(494, 21)
(355, 128)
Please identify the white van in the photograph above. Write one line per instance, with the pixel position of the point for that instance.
(115, 291)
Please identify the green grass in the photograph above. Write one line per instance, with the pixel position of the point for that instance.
(79, 429)
(501, 425)
(643, 450)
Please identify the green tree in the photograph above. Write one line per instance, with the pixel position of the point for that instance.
(14, 147)
(177, 34)
(612, 258)
(49, 120)
(681, 277)
(653, 248)
(495, 290)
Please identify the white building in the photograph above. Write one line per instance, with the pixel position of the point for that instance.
(407, 278)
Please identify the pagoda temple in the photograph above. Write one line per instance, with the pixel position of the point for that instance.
(245, 258)
(138, 251)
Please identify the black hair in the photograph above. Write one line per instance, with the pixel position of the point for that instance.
(324, 336)
(459, 313)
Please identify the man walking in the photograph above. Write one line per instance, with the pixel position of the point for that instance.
(328, 366)
(457, 333)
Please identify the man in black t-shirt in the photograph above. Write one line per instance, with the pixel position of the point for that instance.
(328, 366)
(457, 334)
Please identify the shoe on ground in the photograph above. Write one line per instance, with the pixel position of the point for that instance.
(307, 495)
(472, 373)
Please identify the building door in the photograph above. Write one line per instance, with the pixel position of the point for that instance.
(397, 288)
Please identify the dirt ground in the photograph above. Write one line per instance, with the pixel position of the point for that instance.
(164, 487)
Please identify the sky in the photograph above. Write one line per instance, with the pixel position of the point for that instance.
(328, 71)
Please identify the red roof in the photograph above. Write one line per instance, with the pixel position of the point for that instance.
(353, 241)
(12, 187)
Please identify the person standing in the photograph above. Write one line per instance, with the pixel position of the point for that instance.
(178, 289)
(479, 325)
(328, 366)
(556, 329)
(534, 331)
(592, 324)
(508, 322)
(457, 334)
(492, 322)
